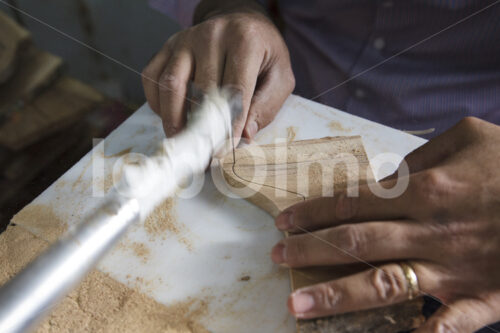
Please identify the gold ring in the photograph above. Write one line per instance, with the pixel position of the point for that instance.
(411, 279)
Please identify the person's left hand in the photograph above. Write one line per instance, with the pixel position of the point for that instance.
(446, 225)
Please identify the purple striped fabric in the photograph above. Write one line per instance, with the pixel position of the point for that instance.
(344, 55)
(179, 10)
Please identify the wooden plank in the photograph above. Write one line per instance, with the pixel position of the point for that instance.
(58, 107)
(277, 176)
(13, 40)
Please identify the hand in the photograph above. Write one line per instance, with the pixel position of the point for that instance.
(446, 225)
(241, 49)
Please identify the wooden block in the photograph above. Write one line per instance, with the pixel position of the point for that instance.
(37, 70)
(13, 40)
(277, 176)
(58, 107)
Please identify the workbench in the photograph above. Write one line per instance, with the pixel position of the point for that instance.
(219, 249)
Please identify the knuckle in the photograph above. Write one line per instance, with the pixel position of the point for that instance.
(249, 31)
(470, 123)
(470, 129)
(238, 87)
(328, 296)
(246, 30)
(148, 74)
(388, 284)
(432, 188)
(432, 179)
(169, 82)
(264, 116)
(210, 29)
(350, 239)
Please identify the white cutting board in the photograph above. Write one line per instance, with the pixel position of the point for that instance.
(230, 238)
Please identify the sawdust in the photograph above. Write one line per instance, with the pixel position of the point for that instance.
(291, 132)
(100, 303)
(43, 220)
(140, 250)
(162, 221)
(17, 248)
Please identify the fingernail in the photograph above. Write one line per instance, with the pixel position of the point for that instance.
(284, 221)
(278, 253)
(302, 302)
(252, 129)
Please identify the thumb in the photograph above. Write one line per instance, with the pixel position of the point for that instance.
(272, 90)
(462, 316)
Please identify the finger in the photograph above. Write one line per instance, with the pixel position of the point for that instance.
(462, 316)
(372, 241)
(173, 91)
(240, 74)
(272, 90)
(369, 289)
(330, 211)
(150, 77)
(417, 196)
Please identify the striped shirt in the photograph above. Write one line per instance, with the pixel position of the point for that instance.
(415, 65)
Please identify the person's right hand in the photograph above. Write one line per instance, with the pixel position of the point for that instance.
(242, 50)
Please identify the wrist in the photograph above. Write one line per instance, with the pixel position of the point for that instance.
(207, 9)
